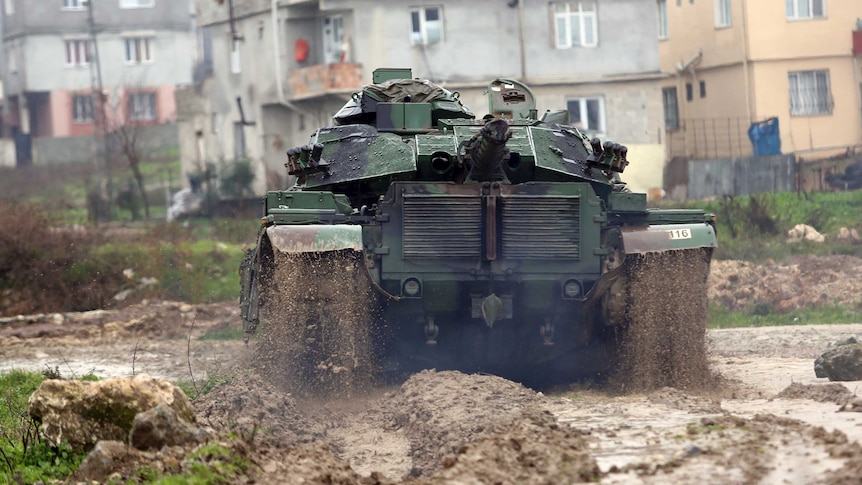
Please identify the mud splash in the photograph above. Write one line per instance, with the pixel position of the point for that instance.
(318, 330)
(664, 342)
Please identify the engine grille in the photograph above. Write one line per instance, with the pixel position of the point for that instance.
(442, 226)
(541, 227)
(451, 226)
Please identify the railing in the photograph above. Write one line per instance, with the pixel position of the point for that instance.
(706, 138)
(320, 79)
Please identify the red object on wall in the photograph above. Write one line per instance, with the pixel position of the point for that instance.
(300, 49)
(857, 42)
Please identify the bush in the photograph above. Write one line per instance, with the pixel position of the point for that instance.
(43, 268)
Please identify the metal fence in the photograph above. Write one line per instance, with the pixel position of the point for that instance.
(701, 138)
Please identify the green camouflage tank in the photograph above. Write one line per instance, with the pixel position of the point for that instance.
(506, 244)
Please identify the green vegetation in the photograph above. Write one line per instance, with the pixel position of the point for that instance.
(212, 463)
(763, 316)
(27, 458)
(755, 228)
(24, 456)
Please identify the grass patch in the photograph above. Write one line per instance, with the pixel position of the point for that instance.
(213, 463)
(24, 456)
(754, 228)
(762, 315)
(226, 333)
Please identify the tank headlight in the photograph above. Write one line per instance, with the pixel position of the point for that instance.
(571, 289)
(411, 288)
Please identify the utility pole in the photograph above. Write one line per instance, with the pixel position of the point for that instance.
(101, 119)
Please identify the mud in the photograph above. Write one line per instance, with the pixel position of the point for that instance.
(317, 337)
(664, 342)
(765, 419)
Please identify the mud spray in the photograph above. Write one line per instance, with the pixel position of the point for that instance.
(664, 341)
(317, 334)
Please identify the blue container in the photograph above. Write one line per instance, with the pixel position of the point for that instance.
(765, 137)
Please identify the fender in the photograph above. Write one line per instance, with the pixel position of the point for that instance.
(293, 239)
(667, 237)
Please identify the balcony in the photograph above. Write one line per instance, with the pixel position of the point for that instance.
(322, 79)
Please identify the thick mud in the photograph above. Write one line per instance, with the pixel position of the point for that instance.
(765, 418)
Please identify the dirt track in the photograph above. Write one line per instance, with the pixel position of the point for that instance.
(456, 428)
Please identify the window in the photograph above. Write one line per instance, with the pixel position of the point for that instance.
(239, 149)
(662, 19)
(82, 109)
(77, 53)
(689, 92)
(12, 49)
(9, 7)
(137, 3)
(671, 111)
(74, 4)
(332, 38)
(809, 93)
(235, 64)
(587, 114)
(703, 89)
(722, 13)
(805, 9)
(138, 50)
(426, 25)
(575, 24)
(142, 106)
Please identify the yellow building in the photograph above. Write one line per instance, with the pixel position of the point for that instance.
(734, 62)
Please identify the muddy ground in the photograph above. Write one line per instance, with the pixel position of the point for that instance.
(766, 419)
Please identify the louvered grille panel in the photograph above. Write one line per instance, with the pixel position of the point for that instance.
(442, 227)
(541, 227)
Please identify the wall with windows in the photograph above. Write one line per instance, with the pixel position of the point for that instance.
(831, 116)
(819, 31)
(798, 68)
(169, 62)
(579, 40)
(704, 33)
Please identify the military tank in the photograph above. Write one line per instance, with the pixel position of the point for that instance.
(417, 235)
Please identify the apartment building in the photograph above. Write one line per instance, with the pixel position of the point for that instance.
(736, 62)
(281, 68)
(59, 54)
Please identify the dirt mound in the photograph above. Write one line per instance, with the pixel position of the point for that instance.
(818, 392)
(251, 406)
(317, 329)
(151, 319)
(440, 411)
(664, 342)
(529, 449)
(801, 282)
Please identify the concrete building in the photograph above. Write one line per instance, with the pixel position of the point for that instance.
(281, 68)
(58, 54)
(741, 61)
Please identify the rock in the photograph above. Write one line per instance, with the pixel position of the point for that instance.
(83, 413)
(854, 406)
(161, 426)
(102, 461)
(804, 232)
(841, 363)
(848, 235)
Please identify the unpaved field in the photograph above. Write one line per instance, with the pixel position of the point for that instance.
(769, 420)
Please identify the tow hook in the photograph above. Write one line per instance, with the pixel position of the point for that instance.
(547, 331)
(431, 332)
